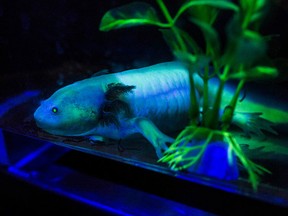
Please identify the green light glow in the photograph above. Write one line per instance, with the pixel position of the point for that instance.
(273, 114)
(54, 110)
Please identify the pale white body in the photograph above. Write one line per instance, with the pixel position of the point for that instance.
(159, 102)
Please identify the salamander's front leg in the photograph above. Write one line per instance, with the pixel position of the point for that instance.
(152, 134)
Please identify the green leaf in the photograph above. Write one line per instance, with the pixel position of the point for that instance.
(134, 14)
(256, 73)
(253, 12)
(262, 8)
(211, 37)
(221, 4)
(204, 13)
(171, 40)
(254, 5)
(244, 48)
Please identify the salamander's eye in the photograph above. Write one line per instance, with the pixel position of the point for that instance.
(54, 109)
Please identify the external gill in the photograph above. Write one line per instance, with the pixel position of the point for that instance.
(113, 105)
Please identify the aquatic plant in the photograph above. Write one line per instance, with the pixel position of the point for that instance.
(230, 61)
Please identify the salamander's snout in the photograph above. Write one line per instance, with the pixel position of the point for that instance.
(39, 117)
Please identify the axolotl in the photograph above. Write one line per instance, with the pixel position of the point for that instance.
(152, 101)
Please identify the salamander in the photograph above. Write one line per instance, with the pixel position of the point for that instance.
(152, 101)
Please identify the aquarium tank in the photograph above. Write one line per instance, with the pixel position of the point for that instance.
(122, 105)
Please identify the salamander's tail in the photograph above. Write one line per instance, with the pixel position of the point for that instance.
(252, 123)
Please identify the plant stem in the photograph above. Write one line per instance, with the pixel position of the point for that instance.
(236, 95)
(194, 106)
(248, 14)
(213, 118)
(168, 17)
(205, 95)
(165, 11)
(227, 117)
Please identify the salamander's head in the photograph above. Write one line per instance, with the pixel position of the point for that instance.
(67, 113)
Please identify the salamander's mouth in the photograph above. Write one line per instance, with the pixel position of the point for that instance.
(49, 129)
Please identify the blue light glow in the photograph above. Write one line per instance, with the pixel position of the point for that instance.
(17, 100)
(3, 151)
(32, 156)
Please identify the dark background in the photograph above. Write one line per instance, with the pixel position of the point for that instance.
(58, 41)
(44, 42)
